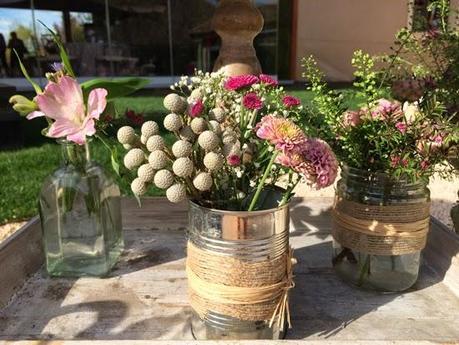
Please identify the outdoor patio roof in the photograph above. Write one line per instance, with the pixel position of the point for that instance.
(137, 6)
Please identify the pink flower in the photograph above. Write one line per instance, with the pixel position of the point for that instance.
(315, 161)
(352, 118)
(252, 101)
(386, 109)
(425, 164)
(281, 132)
(239, 82)
(136, 119)
(394, 161)
(196, 108)
(63, 102)
(233, 160)
(266, 79)
(402, 127)
(290, 101)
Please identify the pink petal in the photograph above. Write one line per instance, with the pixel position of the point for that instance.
(62, 100)
(97, 101)
(89, 127)
(61, 128)
(35, 114)
(78, 138)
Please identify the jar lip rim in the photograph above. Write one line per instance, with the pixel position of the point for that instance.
(241, 213)
(382, 174)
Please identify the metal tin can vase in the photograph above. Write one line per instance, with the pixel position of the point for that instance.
(380, 227)
(239, 268)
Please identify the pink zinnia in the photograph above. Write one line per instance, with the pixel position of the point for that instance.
(196, 108)
(401, 126)
(281, 132)
(233, 160)
(290, 101)
(63, 102)
(315, 161)
(266, 79)
(252, 101)
(241, 81)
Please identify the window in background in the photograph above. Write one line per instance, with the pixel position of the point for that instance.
(422, 18)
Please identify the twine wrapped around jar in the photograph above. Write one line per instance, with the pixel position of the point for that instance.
(248, 291)
(381, 230)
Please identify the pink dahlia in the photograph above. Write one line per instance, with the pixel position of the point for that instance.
(290, 101)
(281, 132)
(267, 80)
(196, 108)
(63, 102)
(252, 101)
(240, 81)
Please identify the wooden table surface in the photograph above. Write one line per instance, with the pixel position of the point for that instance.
(145, 297)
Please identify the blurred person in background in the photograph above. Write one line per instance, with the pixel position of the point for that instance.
(16, 44)
(3, 63)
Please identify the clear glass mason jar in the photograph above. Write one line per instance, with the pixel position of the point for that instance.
(80, 213)
(385, 273)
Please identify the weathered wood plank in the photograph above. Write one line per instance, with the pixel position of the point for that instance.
(21, 255)
(245, 342)
(145, 296)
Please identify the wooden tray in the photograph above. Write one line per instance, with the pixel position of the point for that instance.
(145, 296)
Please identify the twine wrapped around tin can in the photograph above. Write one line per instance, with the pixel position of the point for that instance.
(248, 291)
(381, 230)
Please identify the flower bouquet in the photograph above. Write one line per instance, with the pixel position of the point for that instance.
(388, 150)
(79, 203)
(238, 152)
(234, 137)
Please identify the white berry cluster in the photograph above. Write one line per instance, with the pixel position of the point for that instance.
(189, 165)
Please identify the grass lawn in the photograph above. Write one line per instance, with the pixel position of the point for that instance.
(23, 171)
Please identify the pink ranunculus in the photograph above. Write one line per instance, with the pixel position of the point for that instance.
(401, 126)
(63, 102)
(195, 109)
(252, 101)
(281, 132)
(233, 160)
(267, 80)
(352, 118)
(240, 82)
(290, 101)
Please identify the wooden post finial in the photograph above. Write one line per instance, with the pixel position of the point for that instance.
(237, 22)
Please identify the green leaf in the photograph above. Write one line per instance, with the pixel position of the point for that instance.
(116, 87)
(36, 87)
(114, 161)
(62, 52)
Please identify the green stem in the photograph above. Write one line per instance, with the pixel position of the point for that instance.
(288, 193)
(262, 182)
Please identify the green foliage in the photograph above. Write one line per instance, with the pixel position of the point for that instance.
(118, 87)
(366, 80)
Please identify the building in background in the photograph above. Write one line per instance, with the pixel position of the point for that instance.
(163, 38)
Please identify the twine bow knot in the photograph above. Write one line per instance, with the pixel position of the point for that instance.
(283, 309)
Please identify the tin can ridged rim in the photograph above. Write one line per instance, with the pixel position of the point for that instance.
(241, 214)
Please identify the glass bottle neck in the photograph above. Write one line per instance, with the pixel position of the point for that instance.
(75, 155)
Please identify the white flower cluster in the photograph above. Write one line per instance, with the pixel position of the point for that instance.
(204, 141)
